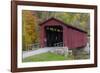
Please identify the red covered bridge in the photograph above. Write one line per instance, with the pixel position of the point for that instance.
(54, 32)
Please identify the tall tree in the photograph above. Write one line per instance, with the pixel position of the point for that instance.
(29, 28)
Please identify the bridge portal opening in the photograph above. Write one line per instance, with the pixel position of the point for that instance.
(54, 36)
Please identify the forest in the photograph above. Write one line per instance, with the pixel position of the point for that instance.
(32, 19)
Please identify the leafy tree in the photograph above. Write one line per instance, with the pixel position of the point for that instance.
(29, 28)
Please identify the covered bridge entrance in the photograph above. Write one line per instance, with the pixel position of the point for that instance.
(54, 36)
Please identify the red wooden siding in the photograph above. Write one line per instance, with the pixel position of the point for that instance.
(72, 37)
(76, 38)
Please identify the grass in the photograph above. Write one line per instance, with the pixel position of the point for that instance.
(47, 57)
(55, 57)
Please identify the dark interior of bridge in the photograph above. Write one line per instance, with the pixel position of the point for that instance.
(54, 36)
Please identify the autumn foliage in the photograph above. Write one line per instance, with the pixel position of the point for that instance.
(30, 35)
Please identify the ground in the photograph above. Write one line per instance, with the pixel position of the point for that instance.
(47, 57)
